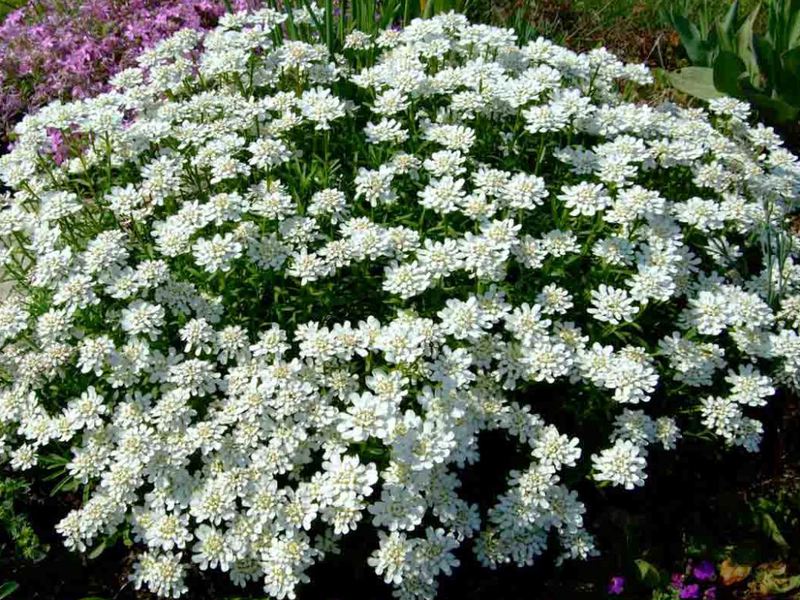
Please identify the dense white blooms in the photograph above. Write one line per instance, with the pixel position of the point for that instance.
(272, 295)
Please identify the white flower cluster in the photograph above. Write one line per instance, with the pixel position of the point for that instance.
(274, 295)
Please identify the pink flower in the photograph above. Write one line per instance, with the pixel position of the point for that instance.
(49, 51)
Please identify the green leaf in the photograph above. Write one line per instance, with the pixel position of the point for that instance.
(787, 83)
(728, 68)
(697, 49)
(791, 63)
(775, 108)
(731, 17)
(793, 26)
(695, 81)
(726, 28)
(648, 573)
(768, 63)
(97, 551)
(8, 588)
(785, 585)
(745, 44)
(771, 529)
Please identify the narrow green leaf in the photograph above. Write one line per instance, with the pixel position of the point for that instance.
(8, 588)
(329, 25)
(745, 44)
(770, 527)
(726, 28)
(793, 27)
(97, 550)
(317, 25)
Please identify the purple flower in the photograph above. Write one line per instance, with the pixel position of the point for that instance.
(704, 571)
(617, 585)
(50, 49)
(689, 591)
(711, 594)
(58, 146)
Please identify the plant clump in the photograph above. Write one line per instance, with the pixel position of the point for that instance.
(265, 295)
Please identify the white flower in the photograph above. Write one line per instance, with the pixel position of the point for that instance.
(217, 253)
(611, 305)
(320, 106)
(442, 195)
(385, 131)
(87, 411)
(555, 449)
(162, 574)
(367, 415)
(391, 559)
(721, 415)
(667, 432)
(585, 198)
(749, 387)
(268, 152)
(622, 465)
(143, 318)
(375, 186)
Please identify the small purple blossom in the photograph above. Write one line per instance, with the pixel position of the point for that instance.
(691, 590)
(704, 571)
(58, 146)
(617, 585)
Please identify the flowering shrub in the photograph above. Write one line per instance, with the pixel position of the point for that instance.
(49, 49)
(266, 296)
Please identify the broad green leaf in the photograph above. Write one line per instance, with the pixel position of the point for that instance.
(767, 64)
(695, 81)
(791, 62)
(696, 48)
(788, 81)
(648, 573)
(777, 109)
(727, 69)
